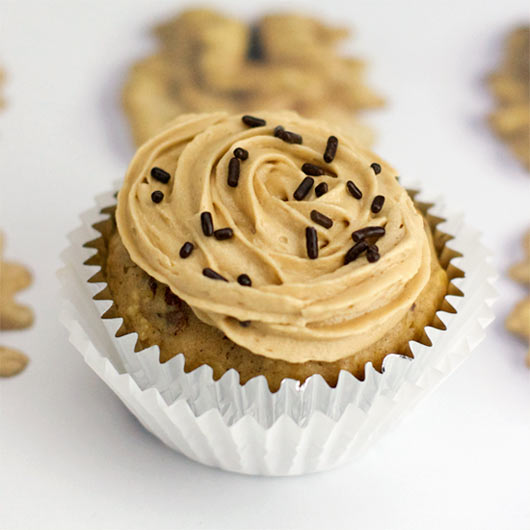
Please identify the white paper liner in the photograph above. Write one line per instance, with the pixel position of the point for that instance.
(302, 428)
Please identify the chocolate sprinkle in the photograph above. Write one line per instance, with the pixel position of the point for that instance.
(369, 231)
(372, 253)
(321, 189)
(376, 167)
(210, 273)
(321, 219)
(331, 149)
(353, 189)
(372, 257)
(207, 223)
(244, 323)
(311, 240)
(244, 280)
(240, 153)
(252, 121)
(287, 136)
(291, 137)
(223, 233)
(186, 250)
(157, 196)
(278, 130)
(160, 175)
(312, 169)
(255, 51)
(304, 188)
(355, 252)
(233, 172)
(377, 204)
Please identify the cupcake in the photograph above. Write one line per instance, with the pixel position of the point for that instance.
(276, 288)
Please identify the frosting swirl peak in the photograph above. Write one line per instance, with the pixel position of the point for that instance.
(299, 308)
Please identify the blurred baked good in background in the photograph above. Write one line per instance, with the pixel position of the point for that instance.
(518, 321)
(12, 361)
(207, 61)
(13, 278)
(510, 85)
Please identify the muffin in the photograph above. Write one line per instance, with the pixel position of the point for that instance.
(216, 262)
(265, 296)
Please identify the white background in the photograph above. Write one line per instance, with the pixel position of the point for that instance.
(73, 457)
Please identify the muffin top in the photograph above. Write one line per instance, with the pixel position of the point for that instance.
(280, 231)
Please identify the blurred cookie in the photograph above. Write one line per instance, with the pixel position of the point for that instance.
(13, 278)
(12, 361)
(511, 87)
(518, 321)
(207, 61)
(520, 272)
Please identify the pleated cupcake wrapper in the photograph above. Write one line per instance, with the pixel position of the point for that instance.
(301, 428)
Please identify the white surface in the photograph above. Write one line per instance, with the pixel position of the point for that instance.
(73, 457)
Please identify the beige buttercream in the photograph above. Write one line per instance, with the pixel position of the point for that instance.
(300, 309)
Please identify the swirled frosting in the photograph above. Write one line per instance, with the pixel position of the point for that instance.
(299, 309)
